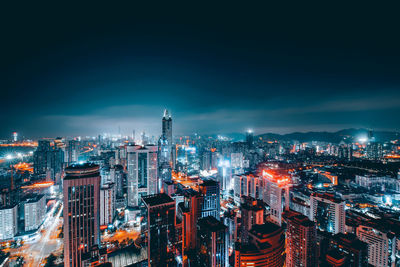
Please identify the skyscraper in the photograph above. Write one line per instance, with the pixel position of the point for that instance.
(210, 205)
(301, 241)
(252, 211)
(81, 212)
(142, 177)
(211, 247)
(328, 212)
(158, 229)
(167, 126)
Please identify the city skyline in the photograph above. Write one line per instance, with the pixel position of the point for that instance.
(224, 70)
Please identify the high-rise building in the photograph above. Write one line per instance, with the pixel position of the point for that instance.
(381, 245)
(211, 245)
(301, 240)
(158, 229)
(249, 138)
(328, 212)
(210, 206)
(252, 212)
(354, 250)
(48, 161)
(107, 204)
(71, 152)
(8, 222)
(81, 188)
(142, 177)
(34, 209)
(167, 127)
(266, 247)
(40, 157)
(276, 193)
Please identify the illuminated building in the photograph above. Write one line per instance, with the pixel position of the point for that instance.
(8, 222)
(142, 177)
(252, 213)
(300, 241)
(107, 204)
(71, 152)
(164, 161)
(328, 212)
(167, 127)
(210, 205)
(158, 229)
(377, 182)
(117, 177)
(40, 157)
(382, 246)
(247, 184)
(266, 247)
(354, 250)
(225, 175)
(211, 245)
(81, 188)
(276, 193)
(48, 161)
(34, 207)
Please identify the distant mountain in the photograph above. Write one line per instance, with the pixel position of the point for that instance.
(332, 137)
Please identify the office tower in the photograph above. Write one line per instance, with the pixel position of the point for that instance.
(354, 250)
(107, 204)
(252, 212)
(301, 241)
(34, 210)
(266, 247)
(276, 193)
(167, 127)
(142, 177)
(328, 212)
(189, 211)
(211, 245)
(247, 184)
(210, 206)
(40, 158)
(55, 164)
(71, 152)
(81, 188)
(164, 161)
(225, 175)
(117, 176)
(8, 222)
(158, 229)
(381, 245)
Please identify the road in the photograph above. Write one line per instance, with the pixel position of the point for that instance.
(34, 253)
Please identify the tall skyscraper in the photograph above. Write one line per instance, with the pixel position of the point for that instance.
(328, 212)
(167, 126)
(71, 152)
(210, 206)
(276, 193)
(142, 177)
(81, 190)
(211, 246)
(158, 229)
(107, 204)
(252, 212)
(301, 241)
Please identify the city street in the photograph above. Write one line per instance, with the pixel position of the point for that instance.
(34, 253)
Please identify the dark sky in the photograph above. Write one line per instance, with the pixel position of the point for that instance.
(78, 70)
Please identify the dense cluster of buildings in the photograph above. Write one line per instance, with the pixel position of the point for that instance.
(211, 201)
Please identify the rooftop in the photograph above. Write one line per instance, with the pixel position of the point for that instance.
(211, 223)
(157, 199)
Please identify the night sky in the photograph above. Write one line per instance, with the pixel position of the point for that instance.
(80, 70)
